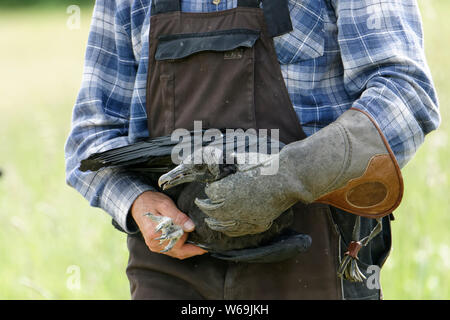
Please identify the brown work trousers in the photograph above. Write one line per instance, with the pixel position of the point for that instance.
(158, 276)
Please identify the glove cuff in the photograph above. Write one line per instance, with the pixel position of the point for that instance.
(378, 190)
(348, 165)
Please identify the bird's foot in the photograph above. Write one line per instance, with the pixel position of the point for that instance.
(169, 231)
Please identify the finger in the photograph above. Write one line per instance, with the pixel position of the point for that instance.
(163, 245)
(150, 235)
(187, 251)
(169, 242)
(170, 210)
(180, 243)
(154, 245)
(182, 250)
(149, 229)
(192, 250)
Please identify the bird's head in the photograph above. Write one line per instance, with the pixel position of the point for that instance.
(204, 165)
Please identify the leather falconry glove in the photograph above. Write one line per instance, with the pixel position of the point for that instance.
(347, 164)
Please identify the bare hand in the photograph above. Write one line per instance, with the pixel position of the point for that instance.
(161, 205)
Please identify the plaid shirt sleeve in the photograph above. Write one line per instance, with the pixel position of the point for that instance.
(382, 49)
(107, 86)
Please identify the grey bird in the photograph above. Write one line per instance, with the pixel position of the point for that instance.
(237, 239)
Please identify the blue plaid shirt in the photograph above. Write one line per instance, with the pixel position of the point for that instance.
(366, 54)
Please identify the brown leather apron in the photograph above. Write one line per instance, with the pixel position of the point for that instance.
(221, 68)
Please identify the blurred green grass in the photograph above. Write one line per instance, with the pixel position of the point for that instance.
(47, 227)
(43, 3)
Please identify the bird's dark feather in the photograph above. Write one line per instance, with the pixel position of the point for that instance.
(150, 152)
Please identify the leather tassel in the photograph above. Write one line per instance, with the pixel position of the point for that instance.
(349, 269)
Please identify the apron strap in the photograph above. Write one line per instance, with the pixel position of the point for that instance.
(249, 3)
(278, 17)
(164, 6)
(276, 14)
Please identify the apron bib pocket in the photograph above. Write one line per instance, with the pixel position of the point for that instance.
(186, 60)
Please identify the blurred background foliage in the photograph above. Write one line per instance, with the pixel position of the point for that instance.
(49, 233)
(40, 3)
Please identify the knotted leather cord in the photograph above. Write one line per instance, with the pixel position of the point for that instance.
(348, 269)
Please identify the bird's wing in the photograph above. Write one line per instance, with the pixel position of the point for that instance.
(150, 151)
(155, 154)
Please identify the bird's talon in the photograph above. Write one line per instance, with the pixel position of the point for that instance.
(166, 223)
(169, 231)
(170, 245)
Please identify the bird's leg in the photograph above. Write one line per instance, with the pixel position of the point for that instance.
(169, 230)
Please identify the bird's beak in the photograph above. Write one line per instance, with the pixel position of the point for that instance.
(178, 175)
